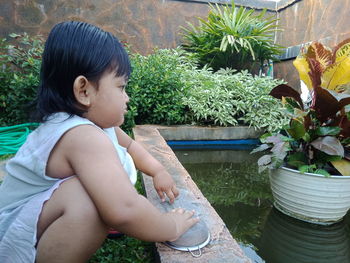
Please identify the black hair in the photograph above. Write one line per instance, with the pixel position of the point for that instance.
(72, 49)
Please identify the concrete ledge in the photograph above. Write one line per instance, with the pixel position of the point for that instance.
(223, 247)
(178, 133)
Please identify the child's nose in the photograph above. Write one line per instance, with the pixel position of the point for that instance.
(126, 97)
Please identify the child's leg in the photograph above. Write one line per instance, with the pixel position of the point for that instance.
(69, 227)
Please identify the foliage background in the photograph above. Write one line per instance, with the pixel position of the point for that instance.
(20, 60)
(156, 88)
(165, 87)
(228, 99)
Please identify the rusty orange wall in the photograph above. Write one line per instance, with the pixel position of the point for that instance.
(310, 20)
(145, 24)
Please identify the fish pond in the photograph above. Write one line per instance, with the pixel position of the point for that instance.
(229, 179)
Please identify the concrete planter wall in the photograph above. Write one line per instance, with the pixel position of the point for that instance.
(310, 197)
(191, 132)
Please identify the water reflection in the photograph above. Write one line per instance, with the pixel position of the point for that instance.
(243, 199)
(285, 239)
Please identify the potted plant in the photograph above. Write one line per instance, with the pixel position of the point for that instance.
(309, 159)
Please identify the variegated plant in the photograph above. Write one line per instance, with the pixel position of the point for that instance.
(317, 138)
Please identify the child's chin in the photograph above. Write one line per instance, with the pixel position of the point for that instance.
(120, 122)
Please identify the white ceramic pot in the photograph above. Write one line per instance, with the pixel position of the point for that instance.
(310, 197)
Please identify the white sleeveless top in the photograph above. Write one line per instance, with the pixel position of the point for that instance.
(26, 187)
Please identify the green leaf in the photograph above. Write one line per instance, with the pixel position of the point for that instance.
(322, 172)
(327, 130)
(297, 129)
(306, 137)
(297, 159)
(322, 158)
(307, 168)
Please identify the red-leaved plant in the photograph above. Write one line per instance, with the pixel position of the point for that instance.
(317, 138)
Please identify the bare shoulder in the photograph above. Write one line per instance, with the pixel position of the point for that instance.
(77, 146)
(86, 136)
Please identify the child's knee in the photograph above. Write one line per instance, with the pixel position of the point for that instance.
(72, 199)
(78, 203)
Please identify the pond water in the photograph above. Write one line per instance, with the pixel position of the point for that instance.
(229, 179)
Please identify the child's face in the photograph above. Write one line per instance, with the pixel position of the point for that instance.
(109, 102)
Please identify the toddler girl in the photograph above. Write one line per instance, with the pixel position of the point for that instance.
(73, 178)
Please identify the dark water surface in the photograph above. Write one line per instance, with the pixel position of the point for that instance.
(229, 179)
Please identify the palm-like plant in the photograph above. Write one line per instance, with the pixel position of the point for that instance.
(232, 37)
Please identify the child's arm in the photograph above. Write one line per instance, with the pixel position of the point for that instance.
(92, 157)
(145, 162)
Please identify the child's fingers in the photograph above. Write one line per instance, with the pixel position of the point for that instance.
(175, 191)
(178, 210)
(170, 195)
(161, 195)
(188, 213)
(185, 220)
(190, 219)
(193, 221)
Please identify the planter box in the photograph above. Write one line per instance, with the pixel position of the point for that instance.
(310, 197)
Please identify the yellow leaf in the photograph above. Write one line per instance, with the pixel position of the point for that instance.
(342, 52)
(336, 75)
(321, 53)
(303, 68)
(299, 115)
(283, 100)
(343, 166)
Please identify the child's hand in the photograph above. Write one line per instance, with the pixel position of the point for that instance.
(184, 220)
(165, 185)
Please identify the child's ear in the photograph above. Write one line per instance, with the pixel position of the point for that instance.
(82, 90)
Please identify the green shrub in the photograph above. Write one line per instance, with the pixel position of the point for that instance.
(232, 37)
(156, 87)
(227, 99)
(167, 88)
(164, 88)
(20, 60)
(124, 250)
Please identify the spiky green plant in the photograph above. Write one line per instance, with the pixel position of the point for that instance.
(232, 37)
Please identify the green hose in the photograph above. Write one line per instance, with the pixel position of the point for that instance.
(12, 137)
